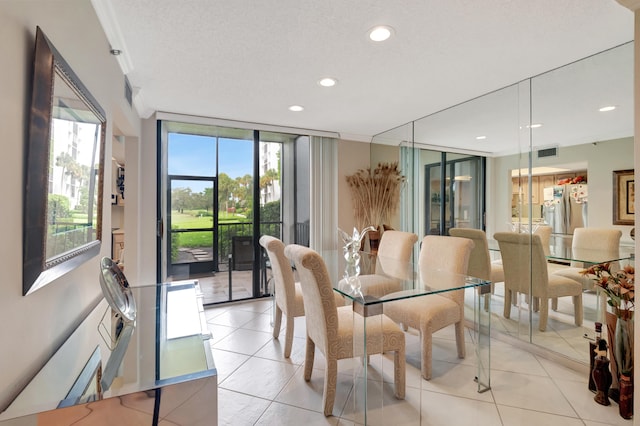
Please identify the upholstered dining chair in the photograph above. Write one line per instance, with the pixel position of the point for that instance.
(480, 265)
(605, 239)
(394, 253)
(525, 271)
(288, 295)
(432, 312)
(330, 328)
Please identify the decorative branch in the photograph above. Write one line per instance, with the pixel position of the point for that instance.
(375, 193)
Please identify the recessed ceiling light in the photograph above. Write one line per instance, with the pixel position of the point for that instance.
(327, 82)
(481, 138)
(380, 33)
(607, 108)
(296, 108)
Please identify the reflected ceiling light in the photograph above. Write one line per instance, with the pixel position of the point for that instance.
(607, 108)
(535, 125)
(296, 108)
(537, 171)
(327, 82)
(464, 178)
(481, 138)
(380, 33)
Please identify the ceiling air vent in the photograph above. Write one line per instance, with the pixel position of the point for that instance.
(548, 152)
(128, 93)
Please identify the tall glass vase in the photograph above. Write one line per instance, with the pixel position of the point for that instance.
(623, 342)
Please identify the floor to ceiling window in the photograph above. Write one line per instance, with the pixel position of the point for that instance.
(222, 189)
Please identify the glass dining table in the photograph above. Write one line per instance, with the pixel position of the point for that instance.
(395, 282)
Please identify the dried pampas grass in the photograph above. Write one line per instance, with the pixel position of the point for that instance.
(376, 193)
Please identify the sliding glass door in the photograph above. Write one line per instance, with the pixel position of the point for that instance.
(454, 192)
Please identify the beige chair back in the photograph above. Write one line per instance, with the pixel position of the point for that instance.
(479, 261)
(285, 291)
(545, 237)
(606, 239)
(318, 297)
(394, 254)
(447, 254)
(524, 263)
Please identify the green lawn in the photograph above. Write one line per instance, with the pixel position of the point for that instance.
(190, 220)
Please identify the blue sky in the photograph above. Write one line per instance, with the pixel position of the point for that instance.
(196, 156)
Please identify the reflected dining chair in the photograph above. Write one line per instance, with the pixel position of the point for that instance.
(331, 328)
(480, 265)
(525, 271)
(432, 312)
(605, 239)
(288, 295)
(394, 253)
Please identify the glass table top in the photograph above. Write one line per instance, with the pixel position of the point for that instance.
(561, 251)
(383, 279)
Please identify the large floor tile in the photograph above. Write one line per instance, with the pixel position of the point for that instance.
(288, 415)
(238, 409)
(260, 377)
(383, 408)
(234, 318)
(582, 401)
(227, 362)
(243, 341)
(440, 409)
(512, 416)
(264, 323)
(530, 392)
(308, 395)
(505, 357)
(456, 380)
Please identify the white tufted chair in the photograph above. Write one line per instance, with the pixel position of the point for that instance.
(480, 265)
(288, 295)
(525, 271)
(330, 328)
(430, 313)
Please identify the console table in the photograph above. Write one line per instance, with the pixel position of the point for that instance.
(158, 370)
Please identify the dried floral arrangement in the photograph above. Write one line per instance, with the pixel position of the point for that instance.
(376, 194)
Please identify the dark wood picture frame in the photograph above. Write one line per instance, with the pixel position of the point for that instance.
(59, 97)
(623, 197)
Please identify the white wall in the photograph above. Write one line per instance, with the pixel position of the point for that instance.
(35, 325)
(602, 159)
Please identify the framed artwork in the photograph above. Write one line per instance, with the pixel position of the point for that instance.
(623, 197)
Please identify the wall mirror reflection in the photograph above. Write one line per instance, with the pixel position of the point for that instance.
(542, 136)
(64, 171)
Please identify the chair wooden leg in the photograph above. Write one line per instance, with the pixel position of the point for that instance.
(288, 337)
(426, 340)
(308, 359)
(578, 309)
(554, 303)
(487, 300)
(330, 379)
(277, 322)
(462, 351)
(544, 313)
(399, 373)
(508, 295)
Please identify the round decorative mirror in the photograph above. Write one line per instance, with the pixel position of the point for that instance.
(116, 290)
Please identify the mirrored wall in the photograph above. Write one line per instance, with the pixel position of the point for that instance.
(552, 131)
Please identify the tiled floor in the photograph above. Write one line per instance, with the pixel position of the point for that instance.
(258, 386)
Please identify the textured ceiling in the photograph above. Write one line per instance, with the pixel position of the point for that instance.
(249, 60)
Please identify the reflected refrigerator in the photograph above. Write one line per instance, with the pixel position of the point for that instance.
(565, 207)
